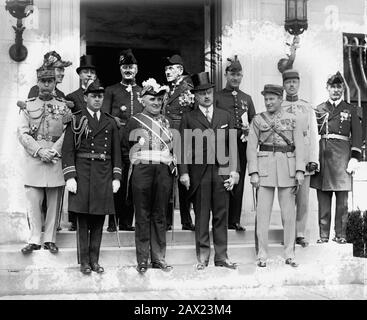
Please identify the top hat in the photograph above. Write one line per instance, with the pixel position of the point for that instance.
(290, 74)
(272, 88)
(45, 73)
(335, 79)
(152, 88)
(86, 62)
(201, 81)
(233, 65)
(94, 87)
(127, 57)
(53, 59)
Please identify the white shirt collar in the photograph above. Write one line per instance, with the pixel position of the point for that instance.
(92, 113)
(203, 109)
(336, 102)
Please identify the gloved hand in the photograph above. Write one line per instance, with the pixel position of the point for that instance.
(115, 185)
(255, 180)
(46, 154)
(231, 181)
(352, 165)
(311, 166)
(185, 180)
(71, 185)
(118, 122)
(300, 176)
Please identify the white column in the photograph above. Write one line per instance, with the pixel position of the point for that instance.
(65, 38)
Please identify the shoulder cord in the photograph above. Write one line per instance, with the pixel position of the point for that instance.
(79, 129)
(325, 121)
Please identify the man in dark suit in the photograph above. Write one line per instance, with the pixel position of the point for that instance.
(209, 170)
(180, 100)
(121, 101)
(241, 108)
(91, 161)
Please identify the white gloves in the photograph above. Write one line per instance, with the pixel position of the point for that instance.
(185, 180)
(231, 181)
(71, 185)
(115, 185)
(352, 165)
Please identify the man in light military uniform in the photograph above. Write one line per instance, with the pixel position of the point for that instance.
(340, 150)
(41, 133)
(241, 108)
(121, 101)
(277, 163)
(293, 104)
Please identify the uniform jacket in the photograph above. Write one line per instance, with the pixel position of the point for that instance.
(220, 147)
(77, 97)
(94, 177)
(174, 109)
(335, 153)
(34, 92)
(236, 104)
(41, 126)
(309, 128)
(276, 169)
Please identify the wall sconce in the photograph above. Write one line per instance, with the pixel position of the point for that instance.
(295, 24)
(19, 9)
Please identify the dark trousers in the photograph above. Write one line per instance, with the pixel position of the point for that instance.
(184, 206)
(151, 185)
(123, 202)
(89, 237)
(211, 196)
(341, 212)
(235, 202)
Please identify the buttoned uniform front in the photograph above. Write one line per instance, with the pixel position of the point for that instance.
(121, 100)
(41, 126)
(239, 105)
(341, 139)
(174, 111)
(294, 105)
(276, 169)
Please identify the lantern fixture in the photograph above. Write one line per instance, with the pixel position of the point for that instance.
(295, 16)
(19, 9)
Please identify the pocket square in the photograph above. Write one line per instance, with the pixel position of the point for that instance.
(224, 126)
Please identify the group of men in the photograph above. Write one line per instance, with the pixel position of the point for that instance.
(147, 138)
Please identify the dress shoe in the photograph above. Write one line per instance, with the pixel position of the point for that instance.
(97, 268)
(168, 227)
(161, 265)
(188, 226)
(72, 227)
(142, 267)
(30, 247)
(126, 228)
(58, 228)
(322, 240)
(261, 263)
(302, 242)
(237, 227)
(226, 264)
(291, 262)
(111, 229)
(85, 269)
(339, 240)
(201, 266)
(51, 247)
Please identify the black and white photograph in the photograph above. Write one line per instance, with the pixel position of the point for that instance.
(183, 151)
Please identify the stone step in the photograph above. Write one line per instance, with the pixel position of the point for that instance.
(327, 264)
(67, 239)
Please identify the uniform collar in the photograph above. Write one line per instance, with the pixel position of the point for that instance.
(336, 102)
(292, 98)
(229, 88)
(92, 113)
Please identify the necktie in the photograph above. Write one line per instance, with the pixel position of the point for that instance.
(207, 115)
(95, 117)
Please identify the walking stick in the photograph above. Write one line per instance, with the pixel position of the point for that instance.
(117, 231)
(173, 207)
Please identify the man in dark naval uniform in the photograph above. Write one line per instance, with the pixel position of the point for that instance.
(53, 60)
(149, 142)
(180, 100)
(241, 108)
(87, 74)
(91, 161)
(340, 150)
(121, 101)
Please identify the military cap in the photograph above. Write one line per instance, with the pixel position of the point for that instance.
(201, 81)
(45, 73)
(151, 87)
(290, 74)
(86, 62)
(233, 64)
(127, 57)
(94, 87)
(273, 88)
(335, 79)
(53, 59)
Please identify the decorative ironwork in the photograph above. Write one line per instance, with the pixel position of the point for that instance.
(295, 16)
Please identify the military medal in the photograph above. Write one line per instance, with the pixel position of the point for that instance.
(234, 93)
(123, 108)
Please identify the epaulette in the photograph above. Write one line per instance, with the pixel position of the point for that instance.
(303, 100)
(77, 112)
(31, 99)
(59, 99)
(109, 115)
